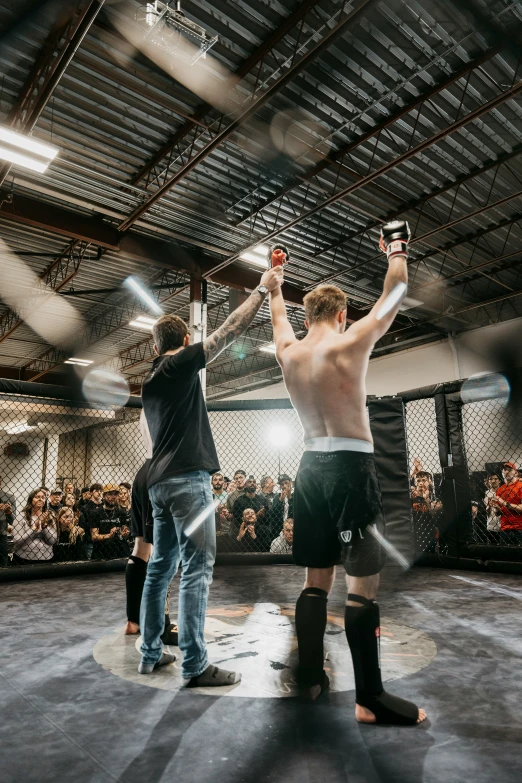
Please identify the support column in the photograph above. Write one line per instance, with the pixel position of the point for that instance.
(198, 318)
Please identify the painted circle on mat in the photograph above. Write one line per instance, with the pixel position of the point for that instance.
(260, 642)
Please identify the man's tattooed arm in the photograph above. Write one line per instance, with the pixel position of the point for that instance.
(235, 324)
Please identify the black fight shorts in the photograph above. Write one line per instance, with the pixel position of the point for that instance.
(336, 499)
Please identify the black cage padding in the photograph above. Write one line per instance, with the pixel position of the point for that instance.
(391, 458)
(51, 391)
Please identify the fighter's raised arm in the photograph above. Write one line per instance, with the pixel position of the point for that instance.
(394, 242)
(283, 331)
(242, 317)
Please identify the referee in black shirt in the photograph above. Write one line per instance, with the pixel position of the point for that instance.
(183, 458)
(142, 531)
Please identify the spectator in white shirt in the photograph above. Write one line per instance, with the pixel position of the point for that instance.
(282, 545)
(34, 531)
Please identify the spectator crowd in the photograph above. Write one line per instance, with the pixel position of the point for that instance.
(65, 524)
(496, 507)
(253, 516)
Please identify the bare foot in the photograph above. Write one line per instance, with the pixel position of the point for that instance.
(131, 628)
(363, 715)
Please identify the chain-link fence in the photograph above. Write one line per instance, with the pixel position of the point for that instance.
(465, 457)
(66, 474)
(493, 440)
(67, 469)
(425, 475)
(259, 453)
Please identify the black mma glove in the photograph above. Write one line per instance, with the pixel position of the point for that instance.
(394, 238)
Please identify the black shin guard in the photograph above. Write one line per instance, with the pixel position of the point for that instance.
(135, 573)
(362, 626)
(310, 624)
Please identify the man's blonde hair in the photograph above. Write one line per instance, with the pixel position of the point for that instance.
(323, 303)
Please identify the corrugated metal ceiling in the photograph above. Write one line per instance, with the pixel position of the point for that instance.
(114, 109)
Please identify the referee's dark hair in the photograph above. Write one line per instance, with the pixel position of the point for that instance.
(169, 333)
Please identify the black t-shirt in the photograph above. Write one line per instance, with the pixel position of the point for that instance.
(141, 507)
(89, 509)
(177, 415)
(104, 519)
(243, 502)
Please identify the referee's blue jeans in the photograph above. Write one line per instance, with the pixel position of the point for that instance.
(183, 533)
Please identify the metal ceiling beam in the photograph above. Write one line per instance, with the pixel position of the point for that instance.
(465, 271)
(56, 54)
(450, 313)
(55, 277)
(504, 96)
(337, 158)
(162, 157)
(462, 240)
(409, 206)
(197, 156)
(101, 326)
(142, 248)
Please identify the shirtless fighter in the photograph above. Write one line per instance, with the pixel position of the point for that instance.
(337, 497)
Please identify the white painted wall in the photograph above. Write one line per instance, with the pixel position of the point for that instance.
(115, 453)
(259, 442)
(475, 352)
(20, 475)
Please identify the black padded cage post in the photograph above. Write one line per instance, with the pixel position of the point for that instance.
(387, 424)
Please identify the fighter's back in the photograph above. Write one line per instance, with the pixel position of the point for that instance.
(325, 376)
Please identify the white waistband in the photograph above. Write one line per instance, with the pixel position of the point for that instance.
(338, 444)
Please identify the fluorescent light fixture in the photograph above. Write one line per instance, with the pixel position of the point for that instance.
(18, 428)
(269, 348)
(38, 155)
(143, 295)
(258, 255)
(141, 325)
(79, 362)
(143, 322)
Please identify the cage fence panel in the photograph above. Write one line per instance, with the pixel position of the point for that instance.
(493, 436)
(50, 451)
(425, 475)
(267, 445)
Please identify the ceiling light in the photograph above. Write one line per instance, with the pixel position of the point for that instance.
(144, 319)
(35, 155)
(143, 295)
(141, 325)
(165, 27)
(269, 348)
(17, 428)
(80, 362)
(256, 255)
